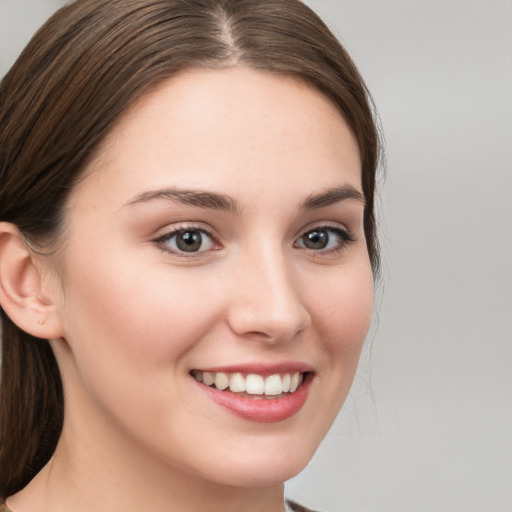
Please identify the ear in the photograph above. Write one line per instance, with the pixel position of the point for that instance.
(22, 293)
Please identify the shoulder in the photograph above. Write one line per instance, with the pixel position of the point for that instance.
(291, 506)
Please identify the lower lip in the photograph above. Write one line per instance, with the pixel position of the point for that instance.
(262, 410)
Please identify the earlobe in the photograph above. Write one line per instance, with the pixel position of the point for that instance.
(21, 291)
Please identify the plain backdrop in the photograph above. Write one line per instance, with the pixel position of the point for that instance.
(428, 424)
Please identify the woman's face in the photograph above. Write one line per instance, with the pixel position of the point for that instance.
(218, 235)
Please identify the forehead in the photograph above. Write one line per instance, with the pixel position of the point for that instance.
(229, 129)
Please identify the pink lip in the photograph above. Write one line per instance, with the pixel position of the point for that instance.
(262, 410)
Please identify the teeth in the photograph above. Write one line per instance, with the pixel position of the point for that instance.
(237, 383)
(286, 382)
(252, 384)
(294, 384)
(273, 385)
(208, 378)
(221, 380)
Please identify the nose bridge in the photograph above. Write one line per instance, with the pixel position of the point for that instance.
(267, 302)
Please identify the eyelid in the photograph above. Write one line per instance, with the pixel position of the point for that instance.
(325, 224)
(339, 229)
(174, 230)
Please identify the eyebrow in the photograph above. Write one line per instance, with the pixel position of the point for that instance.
(202, 199)
(331, 196)
(223, 202)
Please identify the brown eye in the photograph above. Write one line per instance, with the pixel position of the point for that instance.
(187, 241)
(324, 239)
(316, 239)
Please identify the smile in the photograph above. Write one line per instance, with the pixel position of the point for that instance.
(252, 385)
(255, 394)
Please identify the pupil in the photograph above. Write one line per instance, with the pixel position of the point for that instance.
(189, 241)
(316, 240)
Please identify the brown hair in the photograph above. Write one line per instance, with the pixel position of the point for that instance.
(84, 68)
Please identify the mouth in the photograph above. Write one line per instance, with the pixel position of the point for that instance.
(265, 396)
(252, 385)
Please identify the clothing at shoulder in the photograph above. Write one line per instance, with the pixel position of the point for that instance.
(292, 507)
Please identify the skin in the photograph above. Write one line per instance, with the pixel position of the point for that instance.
(135, 319)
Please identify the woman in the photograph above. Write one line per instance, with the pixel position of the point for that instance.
(187, 253)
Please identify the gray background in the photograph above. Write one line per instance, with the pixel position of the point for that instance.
(428, 424)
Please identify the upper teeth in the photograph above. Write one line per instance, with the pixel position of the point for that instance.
(253, 384)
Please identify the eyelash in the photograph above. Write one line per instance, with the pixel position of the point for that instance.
(343, 235)
(163, 241)
(344, 239)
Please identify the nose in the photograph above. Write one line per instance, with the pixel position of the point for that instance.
(266, 304)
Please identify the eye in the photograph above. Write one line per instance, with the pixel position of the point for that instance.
(324, 238)
(186, 241)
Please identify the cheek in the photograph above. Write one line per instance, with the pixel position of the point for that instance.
(131, 333)
(341, 312)
(344, 313)
(123, 323)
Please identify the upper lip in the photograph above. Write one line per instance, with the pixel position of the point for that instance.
(261, 368)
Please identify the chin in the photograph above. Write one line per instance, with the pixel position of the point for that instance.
(261, 468)
(270, 475)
